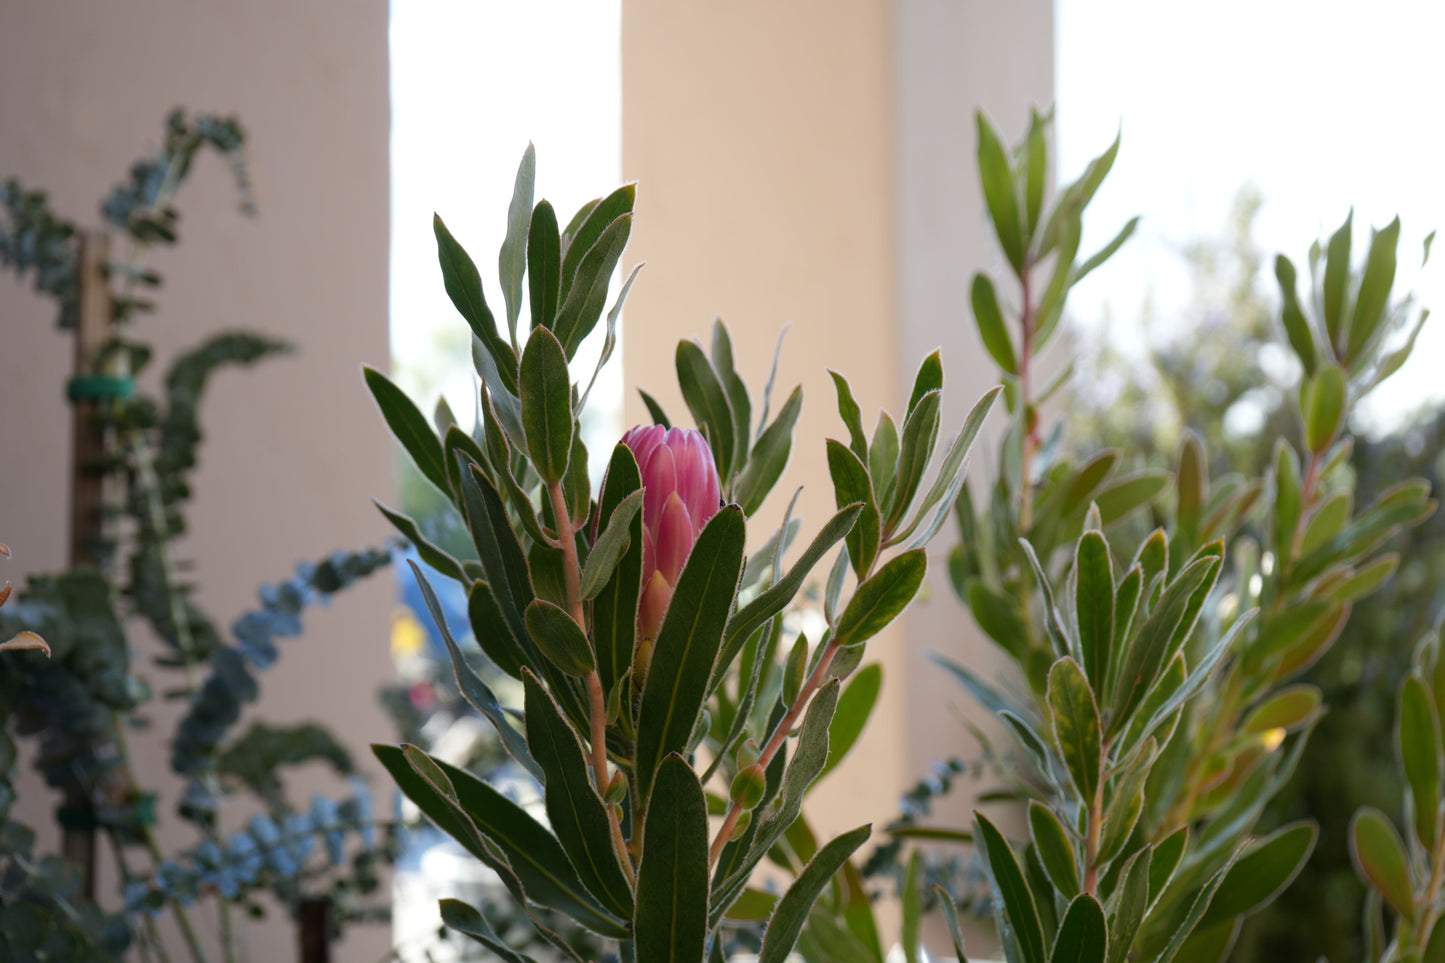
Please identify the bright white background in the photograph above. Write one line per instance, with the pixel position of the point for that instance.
(1321, 105)
(471, 83)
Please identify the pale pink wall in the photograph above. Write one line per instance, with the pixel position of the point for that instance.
(294, 450)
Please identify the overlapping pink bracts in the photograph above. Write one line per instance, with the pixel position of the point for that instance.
(680, 479)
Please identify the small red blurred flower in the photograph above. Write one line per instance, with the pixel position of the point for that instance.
(680, 479)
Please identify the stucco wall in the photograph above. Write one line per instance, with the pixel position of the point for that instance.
(294, 449)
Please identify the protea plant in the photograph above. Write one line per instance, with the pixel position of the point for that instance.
(659, 680)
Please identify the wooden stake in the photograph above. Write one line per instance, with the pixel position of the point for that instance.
(316, 929)
(94, 327)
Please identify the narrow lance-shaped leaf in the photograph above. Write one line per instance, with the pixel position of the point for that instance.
(1076, 725)
(546, 394)
(1083, 936)
(1014, 902)
(512, 259)
(852, 417)
(610, 546)
(999, 193)
(881, 597)
(1094, 603)
(851, 484)
(1336, 284)
(410, 427)
(1055, 850)
(1380, 858)
(544, 266)
(792, 910)
(671, 920)
(1418, 741)
(471, 685)
(991, 328)
(706, 398)
(575, 811)
(688, 643)
(560, 638)
(1296, 327)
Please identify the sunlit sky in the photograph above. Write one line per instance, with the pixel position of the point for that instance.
(1320, 105)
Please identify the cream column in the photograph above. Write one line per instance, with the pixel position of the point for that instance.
(760, 135)
(294, 448)
(812, 163)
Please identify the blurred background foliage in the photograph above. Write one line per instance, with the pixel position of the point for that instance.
(1216, 370)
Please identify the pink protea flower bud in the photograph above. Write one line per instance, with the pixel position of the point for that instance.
(681, 493)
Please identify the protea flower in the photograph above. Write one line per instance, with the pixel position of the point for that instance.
(680, 479)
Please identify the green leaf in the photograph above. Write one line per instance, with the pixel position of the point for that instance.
(1168, 854)
(1094, 604)
(920, 434)
(464, 287)
(560, 638)
(929, 378)
(950, 914)
(944, 492)
(1380, 859)
(991, 328)
(855, 705)
(1075, 717)
(1296, 327)
(471, 685)
(998, 194)
(575, 812)
(706, 398)
(1289, 708)
(410, 427)
(688, 643)
(1197, 909)
(1435, 946)
(1418, 741)
(913, 909)
(776, 597)
(881, 597)
(851, 485)
(999, 616)
(1374, 293)
(792, 910)
(671, 920)
(1159, 638)
(544, 266)
(1131, 907)
(769, 456)
(547, 406)
(610, 547)
(531, 852)
(1083, 937)
(883, 457)
(429, 552)
(1019, 918)
(512, 259)
(852, 417)
(1055, 850)
(591, 224)
(494, 634)
(1324, 407)
(614, 609)
(1336, 285)
(737, 391)
(1125, 495)
(1107, 251)
(501, 554)
(1036, 164)
(470, 921)
(1262, 873)
(583, 302)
